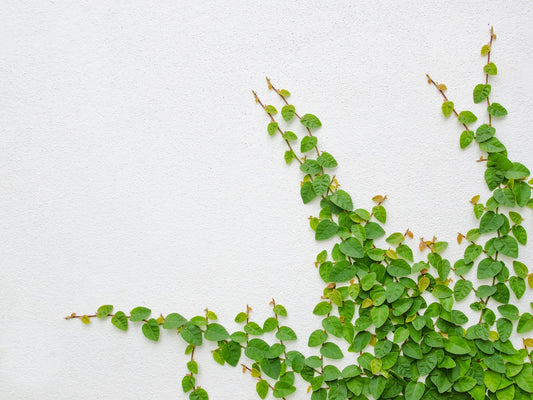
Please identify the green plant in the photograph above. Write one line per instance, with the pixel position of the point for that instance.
(397, 314)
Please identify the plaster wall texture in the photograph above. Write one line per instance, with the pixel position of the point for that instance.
(136, 169)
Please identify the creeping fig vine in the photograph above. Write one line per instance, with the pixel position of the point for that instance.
(395, 316)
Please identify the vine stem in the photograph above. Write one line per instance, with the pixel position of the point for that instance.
(271, 86)
(431, 81)
(247, 368)
(279, 129)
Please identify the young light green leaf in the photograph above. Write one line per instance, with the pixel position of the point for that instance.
(310, 121)
(287, 112)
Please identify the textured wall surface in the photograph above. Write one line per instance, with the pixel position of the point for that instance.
(135, 168)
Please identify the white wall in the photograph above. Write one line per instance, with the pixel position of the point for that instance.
(136, 168)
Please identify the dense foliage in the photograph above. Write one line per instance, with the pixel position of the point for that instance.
(396, 314)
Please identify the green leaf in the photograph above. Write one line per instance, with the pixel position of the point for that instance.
(192, 366)
(325, 230)
(518, 286)
(506, 245)
(490, 222)
(493, 145)
(216, 333)
(495, 363)
(331, 350)
(398, 268)
(525, 323)
(456, 345)
(308, 143)
(199, 394)
(524, 379)
(466, 138)
(287, 112)
(151, 329)
(380, 315)
(282, 389)
(486, 291)
(481, 92)
(307, 192)
(491, 380)
(317, 337)
(241, 317)
(261, 388)
(509, 311)
(231, 351)
(120, 321)
(485, 49)
(290, 136)
(442, 292)
(272, 128)
(490, 69)
(373, 230)
(352, 248)
(380, 213)
(187, 383)
(271, 109)
(311, 167)
(505, 197)
(522, 192)
(414, 390)
(326, 160)
(104, 311)
(285, 333)
(520, 269)
(289, 156)
(310, 121)
(505, 329)
(368, 281)
(320, 184)
(174, 321)
(280, 310)
(464, 384)
(472, 252)
(270, 324)
(439, 247)
(488, 268)
(462, 289)
(342, 199)
(253, 328)
(493, 177)
(322, 308)
(427, 364)
(140, 313)
(191, 334)
(447, 108)
(484, 133)
(466, 117)
(342, 271)
(496, 110)
(395, 238)
(394, 291)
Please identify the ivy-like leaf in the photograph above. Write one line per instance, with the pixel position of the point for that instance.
(287, 112)
(496, 110)
(467, 117)
(310, 121)
(481, 92)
